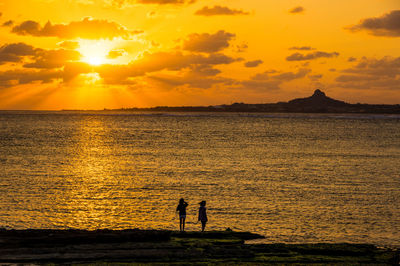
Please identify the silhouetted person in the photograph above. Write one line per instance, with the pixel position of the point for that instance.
(182, 214)
(203, 215)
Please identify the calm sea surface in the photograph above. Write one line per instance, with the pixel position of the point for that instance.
(291, 177)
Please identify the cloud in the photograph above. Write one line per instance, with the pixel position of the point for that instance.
(302, 48)
(35, 57)
(372, 73)
(254, 63)
(271, 80)
(130, 3)
(311, 56)
(386, 25)
(151, 14)
(208, 43)
(165, 2)
(35, 65)
(196, 66)
(241, 48)
(115, 54)
(15, 52)
(8, 23)
(203, 71)
(297, 10)
(288, 76)
(71, 45)
(260, 85)
(385, 67)
(171, 61)
(190, 80)
(315, 77)
(87, 29)
(220, 10)
(21, 76)
(351, 59)
(12, 78)
(73, 69)
(53, 58)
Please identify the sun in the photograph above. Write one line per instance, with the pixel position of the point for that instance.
(95, 52)
(95, 60)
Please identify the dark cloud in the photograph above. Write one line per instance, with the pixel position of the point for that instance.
(385, 67)
(254, 63)
(53, 58)
(351, 59)
(310, 56)
(296, 10)
(302, 48)
(241, 48)
(12, 78)
(21, 76)
(73, 69)
(115, 54)
(203, 71)
(220, 10)
(386, 25)
(208, 43)
(87, 29)
(45, 66)
(35, 57)
(372, 73)
(20, 49)
(172, 61)
(8, 23)
(35, 65)
(15, 52)
(71, 45)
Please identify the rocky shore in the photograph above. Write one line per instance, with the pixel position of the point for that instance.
(169, 247)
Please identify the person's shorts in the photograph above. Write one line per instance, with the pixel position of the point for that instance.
(182, 216)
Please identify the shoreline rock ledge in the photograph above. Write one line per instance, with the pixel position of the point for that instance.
(171, 247)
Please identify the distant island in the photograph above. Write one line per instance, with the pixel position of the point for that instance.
(317, 103)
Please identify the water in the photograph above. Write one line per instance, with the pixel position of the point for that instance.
(294, 178)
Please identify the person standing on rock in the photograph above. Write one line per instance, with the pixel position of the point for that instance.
(203, 215)
(182, 214)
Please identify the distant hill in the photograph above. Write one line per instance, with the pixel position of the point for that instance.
(317, 100)
(317, 103)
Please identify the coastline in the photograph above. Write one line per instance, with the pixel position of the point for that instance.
(172, 247)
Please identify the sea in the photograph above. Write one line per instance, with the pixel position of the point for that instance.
(294, 178)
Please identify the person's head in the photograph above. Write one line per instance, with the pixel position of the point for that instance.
(181, 201)
(203, 203)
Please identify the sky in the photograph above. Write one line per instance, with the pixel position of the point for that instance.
(95, 54)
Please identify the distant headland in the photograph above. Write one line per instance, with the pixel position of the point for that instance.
(317, 103)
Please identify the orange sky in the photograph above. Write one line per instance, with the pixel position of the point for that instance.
(95, 54)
